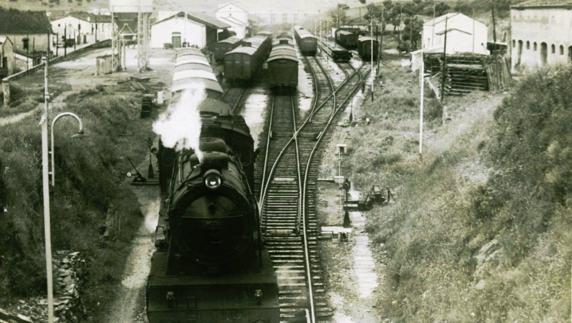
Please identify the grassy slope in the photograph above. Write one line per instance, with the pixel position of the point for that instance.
(479, 229)
(90, 175)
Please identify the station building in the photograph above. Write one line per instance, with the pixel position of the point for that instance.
(234, 16)
(541, 34)
(81, 27)
(464, 34)
(29, 31)
(186, 29)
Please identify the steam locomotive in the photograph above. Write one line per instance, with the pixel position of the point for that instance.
(210, 264)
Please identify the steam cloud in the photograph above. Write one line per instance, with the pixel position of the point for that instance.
(180, 126)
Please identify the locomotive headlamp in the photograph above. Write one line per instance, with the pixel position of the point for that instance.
(213, 179)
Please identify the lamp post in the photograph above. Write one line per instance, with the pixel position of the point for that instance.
(80, 132)
(44, 123)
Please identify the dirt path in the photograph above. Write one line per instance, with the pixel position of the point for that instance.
(129, 305)
(79, 74)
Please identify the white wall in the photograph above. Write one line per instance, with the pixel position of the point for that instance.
(191, 32)
(76, 28)
(236, 17)
(551, 26)
(464, 35)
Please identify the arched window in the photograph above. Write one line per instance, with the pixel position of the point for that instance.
(553, 49)
(513, 43)
(535, 46)
(527, 44)
(561, 50)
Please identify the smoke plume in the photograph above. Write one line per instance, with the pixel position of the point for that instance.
(180, 126)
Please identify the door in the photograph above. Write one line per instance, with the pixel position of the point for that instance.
(176, 39)
(519, 57)
(543, 54)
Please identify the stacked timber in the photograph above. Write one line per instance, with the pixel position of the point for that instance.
(498, 73)
(70, 269)
(464, 73)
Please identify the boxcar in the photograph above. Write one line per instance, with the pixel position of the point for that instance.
(364, 47)
(307, 42)
(347, 39)
(241, 63)
(283, 65)
(224, 46)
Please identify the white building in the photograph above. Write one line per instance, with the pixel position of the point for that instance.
(234, 16)
(84, 28)
(464, 34)
(7, 62)
(186, 29)
(541, 34)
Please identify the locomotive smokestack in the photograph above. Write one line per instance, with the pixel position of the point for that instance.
(180, 126)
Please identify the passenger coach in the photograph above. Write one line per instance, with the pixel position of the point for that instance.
(224, 46)
(307, 42)
(242, 63)
(283, 64)
(192, 67)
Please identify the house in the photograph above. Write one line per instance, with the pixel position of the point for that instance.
(234, 16)
(81, 27)
(29, 31)
(186, 29)
(464, 34)
(6, 57)
(541, 34)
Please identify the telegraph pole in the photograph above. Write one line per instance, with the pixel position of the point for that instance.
(494, 22)
(371, 52)
(444, 68)
(421, 102)
(46, 195)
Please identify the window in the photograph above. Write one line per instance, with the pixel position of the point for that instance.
(527, 44)
(561, 50)
(535, 46)
(513, 43)
(553, 49)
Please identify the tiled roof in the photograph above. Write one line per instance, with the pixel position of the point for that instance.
(200, 18)
(544, 4)
(23, 22)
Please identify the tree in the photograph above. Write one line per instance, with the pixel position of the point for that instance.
(412, 31)
(338, 16)
(441, 8)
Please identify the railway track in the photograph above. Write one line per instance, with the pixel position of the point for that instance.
(286, 186)
(235, 97)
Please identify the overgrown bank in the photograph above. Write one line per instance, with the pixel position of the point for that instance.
(90, 195)
(480, 227)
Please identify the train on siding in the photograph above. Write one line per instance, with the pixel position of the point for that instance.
(364, 47)
(224, 46)
(192, 67)
(283, 63)
(336, 52)
(346, 38)
(210, 264)
(307, 42)
(242, 63)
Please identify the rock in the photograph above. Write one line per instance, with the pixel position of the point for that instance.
(480, 285)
